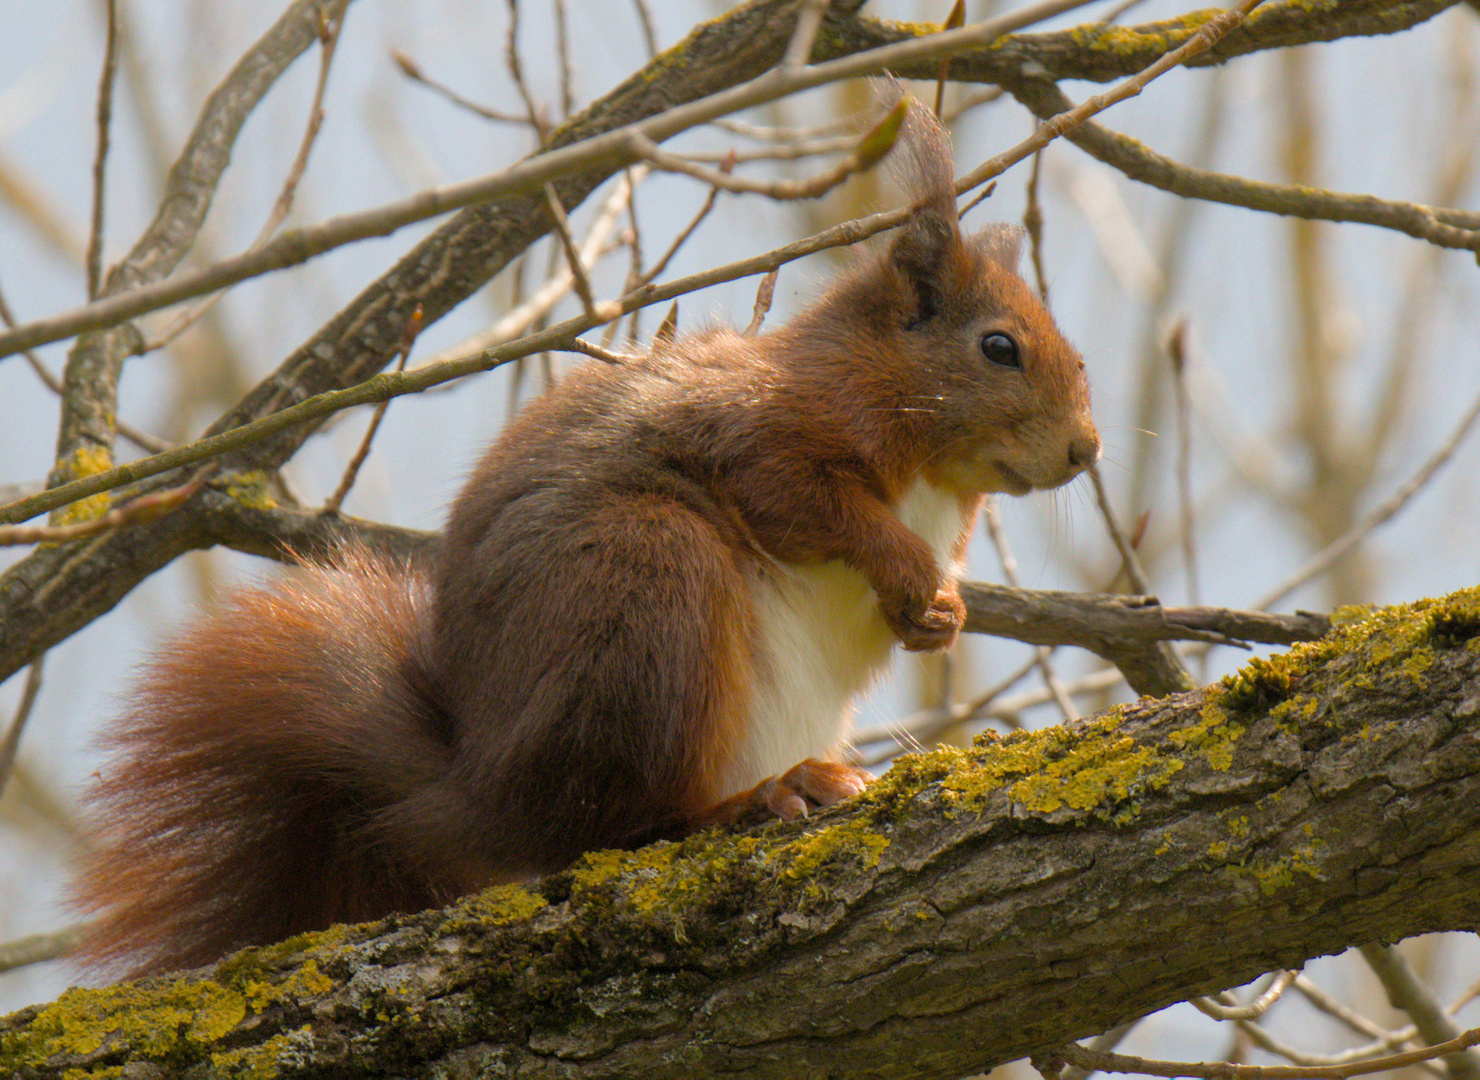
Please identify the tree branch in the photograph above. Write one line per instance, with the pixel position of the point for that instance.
(971, 908)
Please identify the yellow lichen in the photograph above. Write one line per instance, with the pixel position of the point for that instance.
(251, 489)
(498, 905)
(89, 459)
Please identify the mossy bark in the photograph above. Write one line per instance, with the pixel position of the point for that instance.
(973, 907)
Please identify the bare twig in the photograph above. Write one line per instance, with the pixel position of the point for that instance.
(295, 246)
(1009, 571)
(645, 20)
(1033, 222)
(1350, 1017)
(144, 508)
(1442, 226)
(1128, 560)
(94, 257)
(142, 439)
(1380, 514)
(1176, 347)
(809, 21)
(1206, 37)
(1226, 1007)
(12, 743)
(867, 153)
(1222, 1070)
(412, 70)
(330, 23)
(954, 18)
(38, 948)
(542, 301)
(679, 240)
(573, 255)
(596, 352)
(562, 49)
(1407, 992)
(352, 470)
(763, 295)
(533, 113)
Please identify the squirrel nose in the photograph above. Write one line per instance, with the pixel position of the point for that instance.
(1084, 450)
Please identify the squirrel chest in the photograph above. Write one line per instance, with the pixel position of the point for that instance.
(820, 640)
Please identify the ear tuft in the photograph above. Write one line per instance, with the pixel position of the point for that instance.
(928, 250)
(1002, 243)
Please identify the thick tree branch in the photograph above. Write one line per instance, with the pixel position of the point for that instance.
(90, 395)
(971, 908)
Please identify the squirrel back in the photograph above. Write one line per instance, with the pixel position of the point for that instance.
(654, 602)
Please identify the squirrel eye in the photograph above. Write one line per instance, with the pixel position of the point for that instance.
(1001, 350)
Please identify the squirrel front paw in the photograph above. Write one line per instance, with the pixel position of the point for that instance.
(933, 629)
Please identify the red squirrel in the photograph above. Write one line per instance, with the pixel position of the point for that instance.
(654, 602)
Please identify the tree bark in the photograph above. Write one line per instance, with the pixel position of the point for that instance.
(971, 908)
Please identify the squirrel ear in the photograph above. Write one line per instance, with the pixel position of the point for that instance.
(928, 250)
(1002, 243)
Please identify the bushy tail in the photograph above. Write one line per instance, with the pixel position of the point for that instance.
(266, 777)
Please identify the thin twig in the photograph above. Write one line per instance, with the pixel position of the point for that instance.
(38, 948)
(144, 508)
(645, 20)
(100, 160)
(1227, 1007)
(1206, 37)
(573, 256)
(12, 742)
(1009, 571)
(866, 154)
(956, 17)
(295, 246)
(763, 295)
(1128, 560)
(408, 339)
(1222, 1070)
(330, 24)
(142, 439)
(1350, 1017)
(679, 240)
(1442, 226)
(412, 70)
(562, 49)
(1407, 992)
(1176, 348)
(809, 21)
(532, 111)
(596, 352)
(1380, 515)
(1033, 222)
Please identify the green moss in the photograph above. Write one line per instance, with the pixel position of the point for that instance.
(1455, 621)
(1261, 684)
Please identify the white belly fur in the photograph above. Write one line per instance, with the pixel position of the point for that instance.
(820, 642)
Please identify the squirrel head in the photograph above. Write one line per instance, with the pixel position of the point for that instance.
(989, 390)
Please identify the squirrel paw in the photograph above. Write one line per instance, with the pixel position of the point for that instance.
(802, 788)
(934, 629)
(808, 786)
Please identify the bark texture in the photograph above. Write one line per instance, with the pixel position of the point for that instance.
(973, 907)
